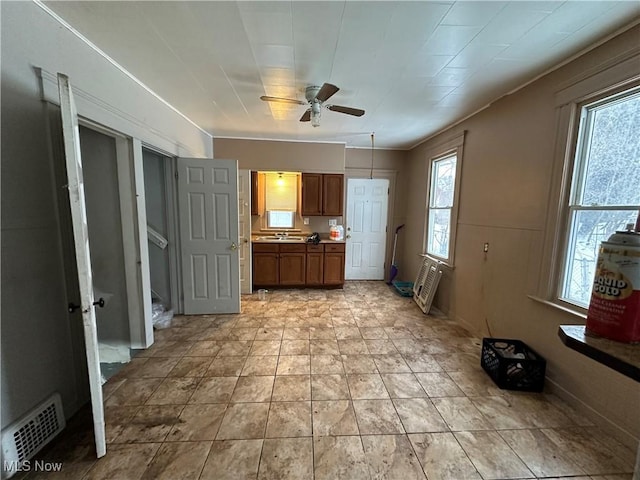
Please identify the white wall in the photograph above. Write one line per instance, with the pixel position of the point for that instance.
(510, 157)
(37, 335)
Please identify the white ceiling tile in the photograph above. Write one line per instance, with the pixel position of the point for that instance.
(415, 67)
(450, 40)
(472, 13)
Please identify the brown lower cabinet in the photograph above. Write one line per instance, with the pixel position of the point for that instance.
(295, 264)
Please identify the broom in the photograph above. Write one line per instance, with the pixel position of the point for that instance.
(394, 268)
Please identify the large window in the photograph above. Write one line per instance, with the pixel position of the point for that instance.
(440, 213)
(605, 189)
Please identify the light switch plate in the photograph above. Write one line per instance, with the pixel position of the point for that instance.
(333, 222)
(305, 221)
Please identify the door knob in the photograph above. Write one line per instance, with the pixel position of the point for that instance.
(348, 236)
(234, 246)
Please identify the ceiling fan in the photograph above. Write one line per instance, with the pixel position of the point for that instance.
(316, 96)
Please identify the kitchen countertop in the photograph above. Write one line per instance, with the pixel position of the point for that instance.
(256, 239)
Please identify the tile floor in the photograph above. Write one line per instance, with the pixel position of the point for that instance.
(342, 384)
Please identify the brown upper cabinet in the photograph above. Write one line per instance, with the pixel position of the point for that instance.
(322, 194)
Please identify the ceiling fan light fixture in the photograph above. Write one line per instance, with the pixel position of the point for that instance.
(315, 118)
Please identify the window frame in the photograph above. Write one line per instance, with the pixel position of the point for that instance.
(574, 182)
(447, 149)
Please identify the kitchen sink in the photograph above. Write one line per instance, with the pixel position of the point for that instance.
(288, 238)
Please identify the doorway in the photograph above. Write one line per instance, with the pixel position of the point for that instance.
(104, 222)
(160, 207)
(366, 232)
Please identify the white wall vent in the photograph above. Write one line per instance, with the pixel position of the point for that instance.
(426, 284)
(25, 437)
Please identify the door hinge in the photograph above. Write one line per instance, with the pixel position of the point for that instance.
(388, 191)
(176, 174)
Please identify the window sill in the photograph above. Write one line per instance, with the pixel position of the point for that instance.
(579, 316)
(442, 263)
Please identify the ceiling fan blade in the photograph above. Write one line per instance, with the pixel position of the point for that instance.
(306, 116)
(356, 112)
(326, 92)
(266, 98)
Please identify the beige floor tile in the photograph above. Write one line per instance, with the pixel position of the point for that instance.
(398, 332)
(381, 347)
(115, 419)
(226, 367)
(373, 333)
(234, 348)
(442, 457)
(475, 383)
(198, 422)
(329, 387)
(410, 346)
(134, 391)
(191, 367)
(419, 415)
(286, 459)
(214, 390)
(439, 384)
(359, 364)
(293, 365)
(233, 460)
(542, 456)
(335, 417)
(152, 367)
(377, 417)
(150, 424)
(183, 460)
(125, 462)
(391, 456)
(592, 450)
(345, 333)
(353, 347)
(339, 458)
(491, 456)
(326, 364)
(460, 414)
(422, 363)
(265, 347)
(173, 349)
(391, 363)
(403, 385)
(294, 347)
(242, 333)
(291, 388)
(319, 333)
(260, 365)
(289, 419)
(208, 348)
(367, 386)
(244, 421)
(174, 391)
(253, 389)
(297, 333)
(324, 347)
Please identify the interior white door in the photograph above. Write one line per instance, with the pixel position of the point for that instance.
(208, 210)
(366, 228)
(75, 185)
(244, 229)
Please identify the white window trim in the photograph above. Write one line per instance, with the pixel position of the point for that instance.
(451, 146)
(598, 85)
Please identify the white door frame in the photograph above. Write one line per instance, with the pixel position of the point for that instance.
(392, 219)
(71, 135)
(244, 233)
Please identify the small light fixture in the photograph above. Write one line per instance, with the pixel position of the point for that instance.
(280, 180)
(315, 114)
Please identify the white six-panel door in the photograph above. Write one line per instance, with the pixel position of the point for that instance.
(366, 228)
(208, 210)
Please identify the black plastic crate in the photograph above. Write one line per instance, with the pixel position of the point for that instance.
(513, 365)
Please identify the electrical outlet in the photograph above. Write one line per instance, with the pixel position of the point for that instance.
(485, 249)
(333, 222)
(305, 221)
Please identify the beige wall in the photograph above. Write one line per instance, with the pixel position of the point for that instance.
(506, 182)
(288, 156)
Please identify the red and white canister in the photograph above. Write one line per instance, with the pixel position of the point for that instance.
(614, 310)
